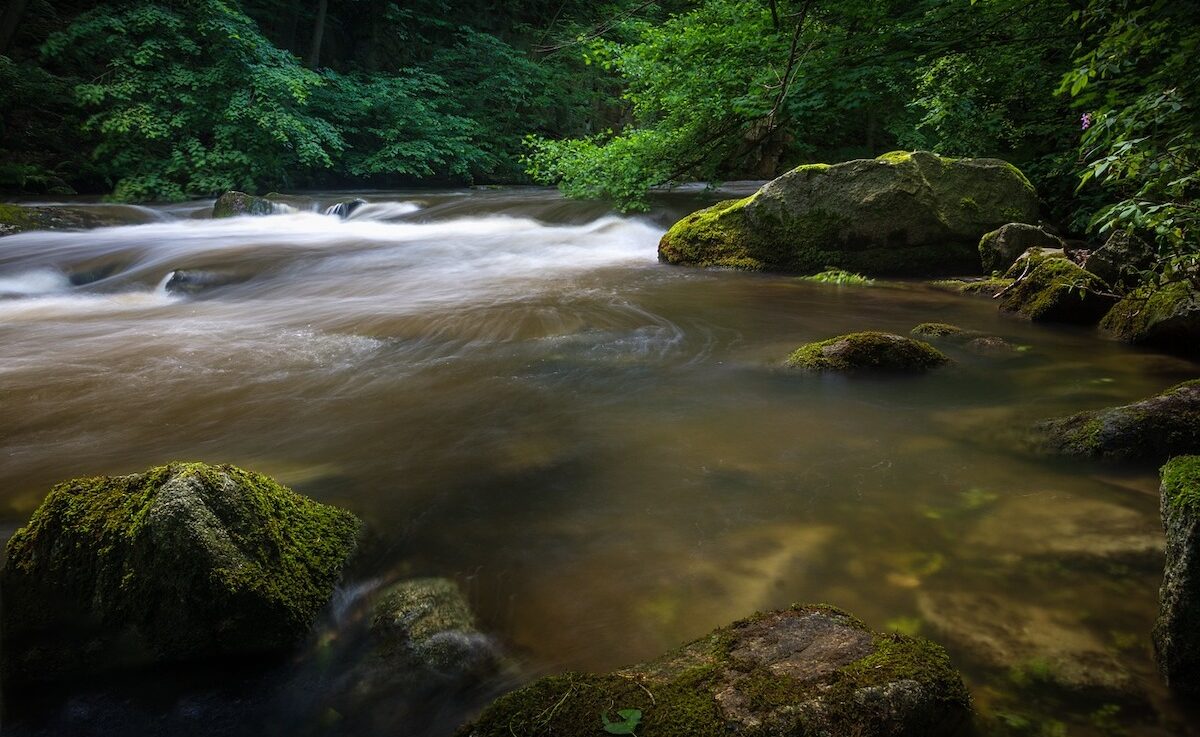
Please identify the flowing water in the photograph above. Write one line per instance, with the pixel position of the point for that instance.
(604, 451)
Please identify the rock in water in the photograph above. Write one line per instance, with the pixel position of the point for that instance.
(183, 561)
(1120, 259)
(1177, 631)
(810, 670)
(1051, 288)
(234, 203)
(345, 209)
(20, 218)
(902, 213)
(1003, 246)
(1151, 430)
(867, 351)
(1163, 317)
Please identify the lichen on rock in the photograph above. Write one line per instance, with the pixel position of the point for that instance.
(1151, 430)
(902, 213)
(804, 670)
(184, 561)
(867, 351)
(1177, 630)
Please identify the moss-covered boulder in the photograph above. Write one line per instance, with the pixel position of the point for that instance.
(1151, 430)
(1177, 631)
(1121, 259)
(1162, 317)
(902, 213)
(1050, 288)
(938, 330)
(234, 203)
(975, 287)
(183, 561)
(20, 218)
(868, 351)
(809, 670)
(1000, 248)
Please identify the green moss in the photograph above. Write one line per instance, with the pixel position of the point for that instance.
(840, 278)
(191, 559)
(1055, 290)
(14, 218)
(937, 330)
(867, 350)
(233, 204)
(969, 203)
(1154, 315)
(1181, 484)
(985, 287)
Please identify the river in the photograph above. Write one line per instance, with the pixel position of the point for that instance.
(605, 452)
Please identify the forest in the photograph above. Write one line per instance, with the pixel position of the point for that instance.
(151, 101)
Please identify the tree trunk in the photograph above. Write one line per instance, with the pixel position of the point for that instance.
(10, 22)
(314, 49)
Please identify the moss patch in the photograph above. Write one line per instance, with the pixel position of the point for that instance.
(186, 560)
(867, 351)
(1056, 290)
(1181, 484)
(840, 278)
(1166, 317)
(937, 330)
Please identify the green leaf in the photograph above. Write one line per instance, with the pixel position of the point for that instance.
(630, 718)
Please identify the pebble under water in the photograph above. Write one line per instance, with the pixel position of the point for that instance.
(605, 452)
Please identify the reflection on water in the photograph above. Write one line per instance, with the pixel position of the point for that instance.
(604, 450)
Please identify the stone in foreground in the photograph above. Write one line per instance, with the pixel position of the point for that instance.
(20, 218)
(1177, 631)
(1051, 288)
(902, 213)
(1152, 430)
(184, 561)
(808, 670)
(1162, 317)
(869, 351)
(1000, 248)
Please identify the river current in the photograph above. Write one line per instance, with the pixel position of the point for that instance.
(605, 452)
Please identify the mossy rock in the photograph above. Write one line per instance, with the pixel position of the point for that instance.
(20, 218)
(1151, 430)
(938, 330)
(234, 203)
(1162, 317)
(998, 249)
(1050, 288)
(839, 277)
(902, 213)
(808, 670)
(867, 351)
(1177, 630)
(1121, 259)
(977, 287)
(184, 561)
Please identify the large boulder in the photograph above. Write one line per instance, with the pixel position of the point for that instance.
(1000, 248)
(867, 351)
(234, 203)
(809, 670)
(1177, 631)
(1162, 317)
(1051, 288)
(184, 561)
(902, 213)
(1121, 259)
(1151, 430)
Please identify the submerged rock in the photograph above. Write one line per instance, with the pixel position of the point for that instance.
(20, 218)
(1163, 317)
(1050, 288)
(192, 281)
(184, 561)
(1151, 430)
(806, 670)
(1120, 259)
(867, 350)
(937, 330)
(1039, 647)
(234, 203)
(1177, 631)
(1000, 248)
(982, 287)
(902, 213)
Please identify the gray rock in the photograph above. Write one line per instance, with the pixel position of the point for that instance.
(806, 670)
(234, 203)
(1166, 317)
(1177, 631)
(902, 213)
(1000, 248)
(345, 209)
(1120, 259)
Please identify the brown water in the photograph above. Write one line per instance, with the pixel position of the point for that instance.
(603, 450)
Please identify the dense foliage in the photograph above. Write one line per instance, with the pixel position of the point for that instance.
(166, 99)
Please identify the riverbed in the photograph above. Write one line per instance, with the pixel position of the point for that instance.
(605, 452)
